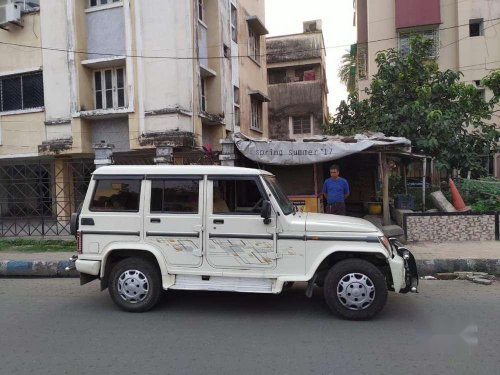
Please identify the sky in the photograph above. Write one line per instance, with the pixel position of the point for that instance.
(286, 17)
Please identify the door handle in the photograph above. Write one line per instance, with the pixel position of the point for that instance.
(87, 221)
(155, 220)
(218, 221)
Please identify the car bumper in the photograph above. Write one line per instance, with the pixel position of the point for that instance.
(404, 269)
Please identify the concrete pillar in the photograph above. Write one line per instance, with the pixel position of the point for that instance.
(103, 154)
(164, 154)
(62, 180)
(228, 156)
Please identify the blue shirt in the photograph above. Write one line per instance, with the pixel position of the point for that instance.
(335, 189)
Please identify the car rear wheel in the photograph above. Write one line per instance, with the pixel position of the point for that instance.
(355, 289)
(135, 285)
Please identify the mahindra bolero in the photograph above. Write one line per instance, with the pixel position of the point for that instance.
(142, 229)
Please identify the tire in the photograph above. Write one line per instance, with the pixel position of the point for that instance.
(141, 295)
(355, 289)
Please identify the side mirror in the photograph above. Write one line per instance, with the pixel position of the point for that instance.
(265, 212)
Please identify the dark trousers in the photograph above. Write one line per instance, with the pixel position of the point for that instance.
(336, 208)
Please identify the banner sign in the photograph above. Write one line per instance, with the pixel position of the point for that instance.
(297, 153)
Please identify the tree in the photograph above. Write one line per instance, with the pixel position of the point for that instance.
(442, 116)
(347, 72)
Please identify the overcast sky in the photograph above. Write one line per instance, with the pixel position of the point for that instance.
(286, 17)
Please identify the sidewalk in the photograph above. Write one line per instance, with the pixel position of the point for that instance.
(473, 256)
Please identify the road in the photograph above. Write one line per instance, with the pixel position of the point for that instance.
(55, 326)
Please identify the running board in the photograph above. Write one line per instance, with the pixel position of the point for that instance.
(220, 283)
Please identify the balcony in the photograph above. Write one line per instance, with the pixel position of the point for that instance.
(412, 13)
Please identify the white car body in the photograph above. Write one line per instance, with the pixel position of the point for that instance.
(226, 252)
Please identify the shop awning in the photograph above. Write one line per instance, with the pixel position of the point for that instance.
(315, 149)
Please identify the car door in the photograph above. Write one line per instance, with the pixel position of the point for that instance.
(173, 218)
(237, 236)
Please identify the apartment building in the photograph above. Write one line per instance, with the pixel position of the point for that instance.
(89, 82)
(466, 36)
(297, 83)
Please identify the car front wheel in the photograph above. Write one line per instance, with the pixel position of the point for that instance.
(135, 285)
(355, 289)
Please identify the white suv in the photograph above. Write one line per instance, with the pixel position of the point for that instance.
(142, 229)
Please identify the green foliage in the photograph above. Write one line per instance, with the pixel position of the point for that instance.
(442, 116)
(346, 70)
(481, 195)
(39, 246)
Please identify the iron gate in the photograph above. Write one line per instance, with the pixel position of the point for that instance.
(37, 196)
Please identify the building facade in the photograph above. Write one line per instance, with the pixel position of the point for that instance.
(297, 83)
(126, 81)
(465, 34)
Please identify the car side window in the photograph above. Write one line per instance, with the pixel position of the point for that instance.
(116, 196)
(236, 196)
(175, 196)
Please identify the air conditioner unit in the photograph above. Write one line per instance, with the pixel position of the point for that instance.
(9, 12)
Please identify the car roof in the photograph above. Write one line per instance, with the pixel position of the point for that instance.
(177, 170)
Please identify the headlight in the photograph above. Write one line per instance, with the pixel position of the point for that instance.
(384, 241)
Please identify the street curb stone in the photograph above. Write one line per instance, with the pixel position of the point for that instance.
(434, 266)
(29, 268)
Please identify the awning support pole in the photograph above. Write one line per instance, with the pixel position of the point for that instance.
(385, 188)
(423, 182)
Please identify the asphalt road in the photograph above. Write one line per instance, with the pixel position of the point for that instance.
(55, 326)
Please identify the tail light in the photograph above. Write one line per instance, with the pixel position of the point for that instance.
(79, 241)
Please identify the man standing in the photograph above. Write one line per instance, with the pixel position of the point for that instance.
(335, 191)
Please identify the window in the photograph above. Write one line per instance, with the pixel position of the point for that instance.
(236, 115)
(237, 196)
(276, 76)
(227, 51)
(301, 124)
(21, 91)
(94, 3)
(432, 34)
(305, 73)
(203, 97)
(476, 27)
(482, 93)
(201, 10)
(253, 45)
(236, 105)
(362, 61)
(278, 193)
(236, 92)
(256, 116)
(28, 5)
(109, 88)
(234, 23)
(175, 196)
(116, 195)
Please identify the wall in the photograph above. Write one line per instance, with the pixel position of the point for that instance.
(21, 132)
(56, 78)
(293, 99)
(114, 131)
(410, 13)
(441, 227)
(253, 76)
(168, 82)
(105, 32)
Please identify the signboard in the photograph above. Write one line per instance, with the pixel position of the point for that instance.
(299, 153)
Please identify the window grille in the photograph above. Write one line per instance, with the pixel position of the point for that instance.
(301, 124)
(21, 91)
(431, 34)
(256, 120)
(362, 61)
(253, 45)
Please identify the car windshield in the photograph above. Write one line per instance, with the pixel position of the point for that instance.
(283, 201)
